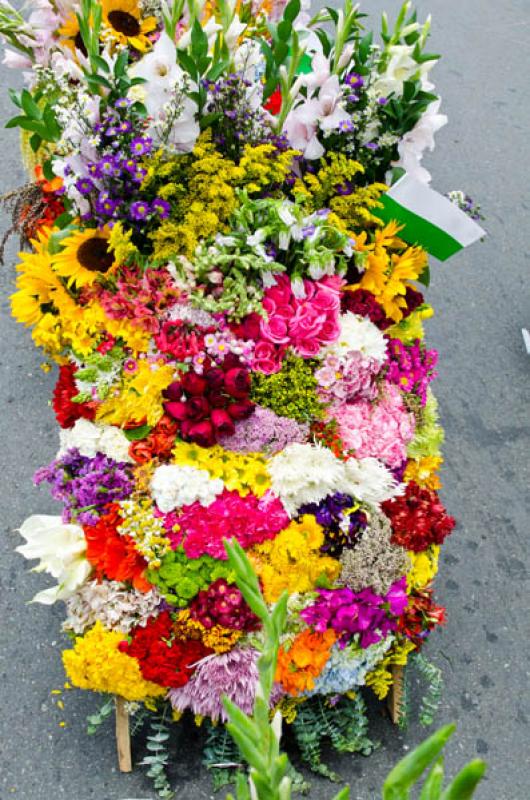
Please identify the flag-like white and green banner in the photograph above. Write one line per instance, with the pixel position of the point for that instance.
(429, 219)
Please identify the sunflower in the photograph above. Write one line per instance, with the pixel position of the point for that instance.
(71, 35)
(85, 257)
(124, 22)
(37, 284)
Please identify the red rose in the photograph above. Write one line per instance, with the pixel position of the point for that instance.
(237, 382)
(217, 399)
(200, 432)
(198, 408)
(178, 410)
(193, 384)
(222, 423)
(174, 391)
(249, 328)
(230, 361)
(214, 377)
(241, 410)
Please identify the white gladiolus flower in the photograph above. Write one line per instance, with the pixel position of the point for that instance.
(90, 439)
(60, 548)
(173, 486)
(400, 68)
(414, 143)
(359, 334)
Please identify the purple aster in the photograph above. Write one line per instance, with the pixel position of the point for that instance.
(371, 146)
(141, 145)
(161, 207)
(139, 210)
(84, 185)
(354, 80)
(106, 205)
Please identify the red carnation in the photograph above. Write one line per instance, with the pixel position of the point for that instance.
(240, 410)
(420, 617)
(66, 411)
(200, 432)
(418, 518)
(113, 556)
(198, 408)
(163, 659)
(363, 302)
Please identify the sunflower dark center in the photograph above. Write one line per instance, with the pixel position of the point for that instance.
(125, 23)
(94, 254)
(79, 43)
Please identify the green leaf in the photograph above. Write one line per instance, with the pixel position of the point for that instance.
(188, 64)
(199, 41)
(291, 11)
(29, 105)
(409, 769)
(365, 46)
(35, 142)
(434, 782)
(63, 220)
(281, 51)
(209, 119)
(284, 30)
(425, 277)
(100, 63)
(47, 171)
(135, 434)
(463, 786)
(25, 123)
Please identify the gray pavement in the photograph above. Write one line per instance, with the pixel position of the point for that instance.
(481, 301)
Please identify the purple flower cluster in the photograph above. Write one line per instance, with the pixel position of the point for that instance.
(343, 526)
(86, 485)
(366, 614)
(411, 367)
(113, 184)
(352, 378)
(265, 431)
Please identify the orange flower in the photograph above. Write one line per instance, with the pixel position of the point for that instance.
(304, 660)
(114, 556)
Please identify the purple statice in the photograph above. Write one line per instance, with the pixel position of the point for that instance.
(234, 674)
(342, 522)
(265, 431)
(86, 485)
(365, 614)
(411, 367)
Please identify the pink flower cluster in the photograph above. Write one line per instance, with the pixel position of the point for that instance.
(248, 519)
(348, 378)
(140, 297)
(305, 323)
(411, 367)
(382, 430)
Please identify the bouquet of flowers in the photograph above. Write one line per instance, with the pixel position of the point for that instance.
(238, 323)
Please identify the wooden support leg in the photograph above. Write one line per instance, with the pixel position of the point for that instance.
(123, 736)
(395, 695)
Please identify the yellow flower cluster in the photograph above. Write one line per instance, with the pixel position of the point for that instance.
(139, 399)
(202, 190)
(380, 678)
(240, 472)
(218, 638)
(389, 267)
(145, 529)
(319, 190)
(424, 567)
(292, 560)
(288, 707)
(96, 663)
(411, 328)
(423, 471)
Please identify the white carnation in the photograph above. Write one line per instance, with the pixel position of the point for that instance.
(173, 486)
(90, 439)
(359, 334)
(60, 548)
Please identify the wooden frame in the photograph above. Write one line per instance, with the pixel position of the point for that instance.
(395, 695)
(123, 736)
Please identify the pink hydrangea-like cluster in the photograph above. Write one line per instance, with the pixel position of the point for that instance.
(305, 323)
(250, 520)
(365, 613)
(379, 431)
(411, 367)
(139, 296)
(348, 378)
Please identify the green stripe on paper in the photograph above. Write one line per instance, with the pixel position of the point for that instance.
(418, 230)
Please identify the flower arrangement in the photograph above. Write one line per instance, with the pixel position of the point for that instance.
(238, 326)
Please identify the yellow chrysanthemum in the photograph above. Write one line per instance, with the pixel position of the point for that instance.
(85, 256)
(37, 285)
(95, 663)
(424, 471)
(124, 22)
(240, 472)
(140, 397)
(424, 567)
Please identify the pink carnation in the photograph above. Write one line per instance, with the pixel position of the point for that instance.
(305, 323)
(249, 519)
(380, 430)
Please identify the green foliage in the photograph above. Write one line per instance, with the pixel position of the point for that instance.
(291, 392)
(409, 771)
(433, 696)
(37, 117)
(180, 578)
(344, 724)
(221, 756)
(95, 721)
(157, 757)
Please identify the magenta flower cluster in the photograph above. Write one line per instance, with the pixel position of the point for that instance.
(411, 367)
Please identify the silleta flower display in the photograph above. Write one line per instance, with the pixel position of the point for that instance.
(237, 315)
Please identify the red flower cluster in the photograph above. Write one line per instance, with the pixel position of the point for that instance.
(50, 205)
(420, 617)
(363, 302)
(163, 658)
(207, 405)
(177, 339)
(158, 444)
(418, 518)
(223, 604)
(114, 556)
(66, 411)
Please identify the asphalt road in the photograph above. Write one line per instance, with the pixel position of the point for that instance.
(481, 302)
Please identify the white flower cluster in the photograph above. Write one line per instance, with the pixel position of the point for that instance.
(90, 439)
(173, 486)
(307, 473)
(359, 334)
(117, 608)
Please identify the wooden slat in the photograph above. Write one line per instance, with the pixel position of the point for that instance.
(395, 695)
(123, 736)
